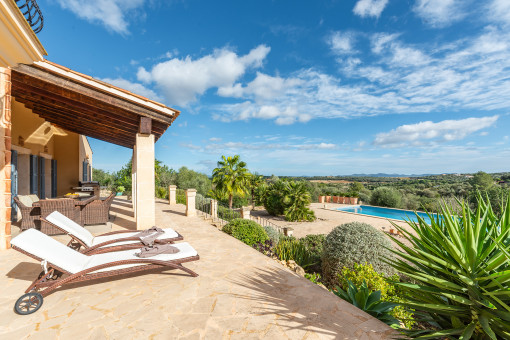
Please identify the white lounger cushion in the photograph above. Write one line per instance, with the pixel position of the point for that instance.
(46, 248)
(73, 228)
(169, 233)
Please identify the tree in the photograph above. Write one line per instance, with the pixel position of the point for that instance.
(189, 179)
(231, 177)
(296, 200)
(355, 188)
(104, 178)
(386, 197)
(256, 180)
(482, 181)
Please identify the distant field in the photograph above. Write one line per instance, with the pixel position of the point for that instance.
(330, 181)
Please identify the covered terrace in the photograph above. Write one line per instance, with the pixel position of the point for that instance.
(81, 105)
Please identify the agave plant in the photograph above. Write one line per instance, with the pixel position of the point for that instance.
(368, 301)
(460, 273)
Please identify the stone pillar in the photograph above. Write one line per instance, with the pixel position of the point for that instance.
(190, 202)
(133, 181)
(214, 209)
(145, 211)
(172, 194)
(5, 158)
(245, 213)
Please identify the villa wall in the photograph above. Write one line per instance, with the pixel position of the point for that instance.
(32, 135)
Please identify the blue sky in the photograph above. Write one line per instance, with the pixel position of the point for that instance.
(329, 87)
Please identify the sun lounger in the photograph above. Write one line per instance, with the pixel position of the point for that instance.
(114, 241)
(63, 265)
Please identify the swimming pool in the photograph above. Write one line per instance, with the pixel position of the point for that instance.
(396, 214)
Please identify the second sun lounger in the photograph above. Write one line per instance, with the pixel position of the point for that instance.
(113, 241)
(65, 265)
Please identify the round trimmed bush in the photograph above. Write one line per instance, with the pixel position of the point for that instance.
(246, 231)
(353, 243)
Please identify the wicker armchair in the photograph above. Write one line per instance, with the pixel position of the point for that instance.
(65, 206)
(97, 211)
(30, 214)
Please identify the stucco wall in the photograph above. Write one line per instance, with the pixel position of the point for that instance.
(35, 131)
(67, 156)
(61, 145)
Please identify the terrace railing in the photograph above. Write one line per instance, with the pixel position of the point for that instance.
(267, 223)
(221, 214)
(32, 13)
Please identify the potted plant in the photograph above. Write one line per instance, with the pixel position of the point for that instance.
(120, 190)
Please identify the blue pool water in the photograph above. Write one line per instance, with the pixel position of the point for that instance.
(396, 214)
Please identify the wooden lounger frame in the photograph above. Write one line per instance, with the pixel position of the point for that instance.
(53, 278)
(76, 243)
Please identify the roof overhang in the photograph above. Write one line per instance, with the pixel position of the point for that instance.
(82, 104)
(18, 44)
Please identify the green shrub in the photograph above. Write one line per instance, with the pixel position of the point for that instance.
(386, 197)
(378, 281)
(273, 234)
(460, 267)
(368, 301)
(120, 188)
(314, 244)
(352, 243)
(246, 231)
(273, 203)
(288, 198)
(161, 192)
(314, 277)
(291, 249)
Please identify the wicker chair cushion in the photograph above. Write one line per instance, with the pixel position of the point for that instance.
(26, 200)
(34, 198)
(71, 227)
(168, 233)
(44, 247)
(185, 250)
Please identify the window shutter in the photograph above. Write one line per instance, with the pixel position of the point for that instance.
(34, 175)
(53, 178)
(42, 178)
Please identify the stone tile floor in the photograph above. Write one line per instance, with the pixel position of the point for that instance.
(240, 294)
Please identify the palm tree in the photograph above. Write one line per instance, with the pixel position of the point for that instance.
(231, 177)
(256, 181)
(296, 200)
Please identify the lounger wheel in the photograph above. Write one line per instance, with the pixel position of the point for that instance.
(28, 303)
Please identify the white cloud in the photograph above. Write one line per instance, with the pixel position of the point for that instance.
(215, 139)
(133, 87)
(499, 10)
(446, 130)
(369, 8)
(262, 87)
(111, 14)
(182, 80)
(440, 13)
(342, 42)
